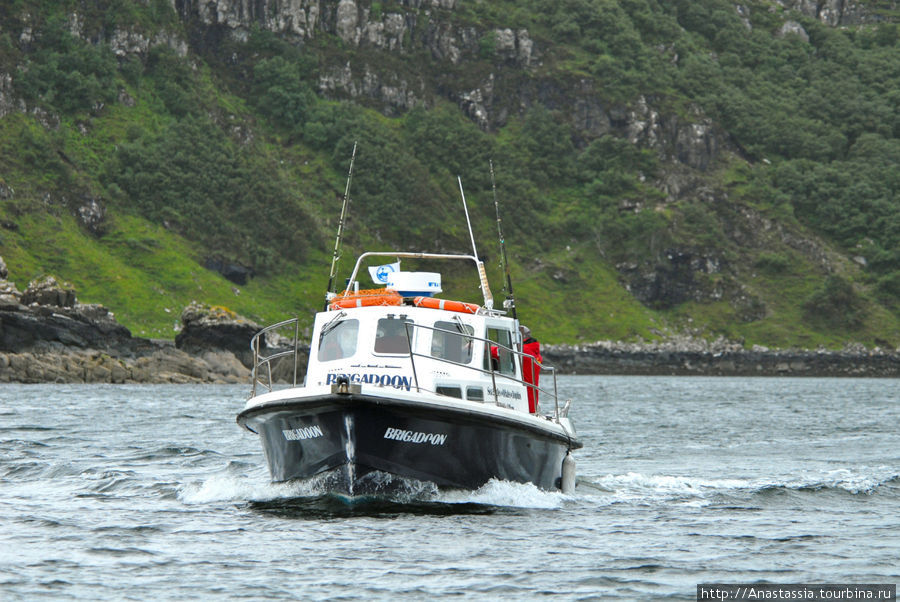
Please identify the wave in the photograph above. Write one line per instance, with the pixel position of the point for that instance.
(408, 495)
(507, 494)
(395, 490)
(640, 487)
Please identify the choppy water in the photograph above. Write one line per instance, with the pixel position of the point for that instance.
(140, 492)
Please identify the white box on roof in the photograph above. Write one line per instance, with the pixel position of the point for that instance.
(411, 284)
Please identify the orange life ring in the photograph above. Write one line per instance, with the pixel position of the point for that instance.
(365, 299)
(460, 306)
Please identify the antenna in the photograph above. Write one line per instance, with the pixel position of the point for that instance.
(510, 301)
(329, 294)
(485, 288)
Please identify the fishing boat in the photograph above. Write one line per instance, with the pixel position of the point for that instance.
(402, 384)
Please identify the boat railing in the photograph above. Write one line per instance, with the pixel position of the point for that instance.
(479, 265)
(262, 374)
(262, 364)
(494, 374)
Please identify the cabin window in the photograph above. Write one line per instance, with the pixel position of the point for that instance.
(499, 357)
(391, 337)
(455, 344)
(338, 341)
(449, 391)
(475, 393)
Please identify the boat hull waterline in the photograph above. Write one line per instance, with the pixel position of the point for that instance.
(361, 434)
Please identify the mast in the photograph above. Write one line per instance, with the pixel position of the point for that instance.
(485, 288)
(510, 301)
(329, 293)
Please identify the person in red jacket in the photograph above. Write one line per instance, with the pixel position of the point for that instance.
(531, 368)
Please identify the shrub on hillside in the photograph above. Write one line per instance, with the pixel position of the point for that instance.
(836, 305)
(66, 73)
(195, 180)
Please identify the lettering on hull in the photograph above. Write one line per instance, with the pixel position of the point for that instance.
(414, 436)
(310, 432)
(384, 380)
(505, 393)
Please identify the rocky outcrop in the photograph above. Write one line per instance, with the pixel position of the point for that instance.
(834, 12)
(47, 291)
(9, 103)
(46, 335)
(673, 279)
(157, 363)
(206, 328)
(92, 215)
(298, 17)
(48, 312)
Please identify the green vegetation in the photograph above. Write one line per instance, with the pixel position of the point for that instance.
(66, 73)
(230, 154)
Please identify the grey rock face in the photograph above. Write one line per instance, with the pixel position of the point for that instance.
(832, 12)
(47, 291)
(91, 213)
(215, 328)
(793, 28)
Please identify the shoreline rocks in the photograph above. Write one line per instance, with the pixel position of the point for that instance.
(46, 336)
(723, 359)
(54, 339)
(164, 364)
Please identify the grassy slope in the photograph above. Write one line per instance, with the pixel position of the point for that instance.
(147, 274)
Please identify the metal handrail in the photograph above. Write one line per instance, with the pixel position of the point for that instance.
(482, 276)
(265, 361)
(260, 360)
(494, 373)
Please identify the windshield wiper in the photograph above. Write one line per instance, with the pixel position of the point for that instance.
(332, 324)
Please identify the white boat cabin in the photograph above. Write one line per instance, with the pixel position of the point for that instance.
(474, 357)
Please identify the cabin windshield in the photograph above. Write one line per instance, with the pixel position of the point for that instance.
(391, 336)
(455, 345)
(338, 341)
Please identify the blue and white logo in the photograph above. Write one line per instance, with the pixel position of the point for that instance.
(379, 273)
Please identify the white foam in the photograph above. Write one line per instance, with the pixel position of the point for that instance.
(669, 484)
(505, 493)
(228, 488)
(231, 488)
(855, 480)
(634, 486)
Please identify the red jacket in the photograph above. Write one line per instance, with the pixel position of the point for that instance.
(531, 370)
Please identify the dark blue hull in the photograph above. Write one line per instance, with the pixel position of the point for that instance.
(358, 435)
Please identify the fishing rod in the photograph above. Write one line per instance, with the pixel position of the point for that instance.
(510, 301)
(329, 294)
(485, 289)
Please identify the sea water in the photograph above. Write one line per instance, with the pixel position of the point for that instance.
(153, 492)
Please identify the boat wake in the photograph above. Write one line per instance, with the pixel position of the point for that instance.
(695, 491)
(379, 491)
(385, 493)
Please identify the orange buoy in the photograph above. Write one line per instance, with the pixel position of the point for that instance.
(365, 298)
(460, 306)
